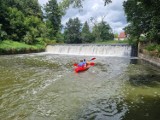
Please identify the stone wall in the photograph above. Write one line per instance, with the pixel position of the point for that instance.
(152, 60)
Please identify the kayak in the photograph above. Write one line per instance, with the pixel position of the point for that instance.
(81, 69)
(90, 63)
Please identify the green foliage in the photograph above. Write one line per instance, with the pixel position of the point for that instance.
(32, 8)
(12, 47)
(151, 47)
(96, 33)
(158, 48)
(21, 20)
(59, 38)
(3, 34)
(135, 17)
(27, 7)
(4, 22)
(144, 17)
(53, 16)
(65, 4)
(34, 28)
(72, 32)
(76, 3)
(86, 34)
(102, 32)
(17, 27)
(107, 1)
(116, 35)
(113, 42)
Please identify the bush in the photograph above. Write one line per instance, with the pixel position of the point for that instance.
(158, 48)
(11, 47)
(151, 47)
(153, 50)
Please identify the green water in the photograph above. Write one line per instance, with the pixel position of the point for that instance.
(45, 87)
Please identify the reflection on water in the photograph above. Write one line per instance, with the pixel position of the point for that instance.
(134, 61)
(105, 109)
(145, 80)
(45, 87)
(145, 108)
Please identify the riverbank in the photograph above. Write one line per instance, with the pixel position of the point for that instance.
(113, 42)
(11, 47)
(150, 59)
(150, 53)
(8, 47)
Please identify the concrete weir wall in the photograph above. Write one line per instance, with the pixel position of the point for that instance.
(117, 50)
(152, 60)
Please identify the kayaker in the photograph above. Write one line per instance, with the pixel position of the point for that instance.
(84, 62)
(81, 64)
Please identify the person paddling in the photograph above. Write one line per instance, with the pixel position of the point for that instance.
(81, 64)
(85, 63)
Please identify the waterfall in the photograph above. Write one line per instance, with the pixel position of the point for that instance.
(91, 50)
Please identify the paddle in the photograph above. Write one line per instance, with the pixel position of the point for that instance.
(75, 64)
(92, 59)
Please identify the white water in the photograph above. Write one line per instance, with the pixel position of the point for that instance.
(94, 50)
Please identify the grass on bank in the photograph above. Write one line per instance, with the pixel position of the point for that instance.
(152, 49)
(12, 47)
(113, 42)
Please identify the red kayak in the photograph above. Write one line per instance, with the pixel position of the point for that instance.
(81, 69)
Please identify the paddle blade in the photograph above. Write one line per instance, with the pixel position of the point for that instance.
(92, 63)
(75, 64)
(93, 58)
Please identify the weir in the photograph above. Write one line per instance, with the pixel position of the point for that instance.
(118, 50)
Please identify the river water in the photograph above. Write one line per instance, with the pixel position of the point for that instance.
(45, 87)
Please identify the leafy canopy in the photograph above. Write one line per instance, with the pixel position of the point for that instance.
(143, 17)
(72, 32)
(86, 34)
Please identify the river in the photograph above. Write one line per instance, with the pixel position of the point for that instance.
(44, 86)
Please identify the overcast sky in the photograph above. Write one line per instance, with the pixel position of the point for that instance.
(113, 13)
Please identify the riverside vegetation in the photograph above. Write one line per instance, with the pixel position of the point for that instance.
(25, 26)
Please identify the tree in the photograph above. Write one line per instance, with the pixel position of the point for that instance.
(34, 28)
(102, 31)
(138, 18)
(60, 38)
(144, 18)
(116, 35)
(32, 8)
(86, 34)
(153, 7)
(3, 34)
(53, 16)
(76, 3)
(16, 26)
(13, 15)
(27, 7)
(106, 31)
(72, 33)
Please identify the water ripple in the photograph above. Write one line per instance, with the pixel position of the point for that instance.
(105, 109)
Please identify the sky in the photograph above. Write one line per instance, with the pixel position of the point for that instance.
(113, 13)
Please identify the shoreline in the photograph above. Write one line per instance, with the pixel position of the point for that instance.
(9, 47)
(20, 51)
(155, 61)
